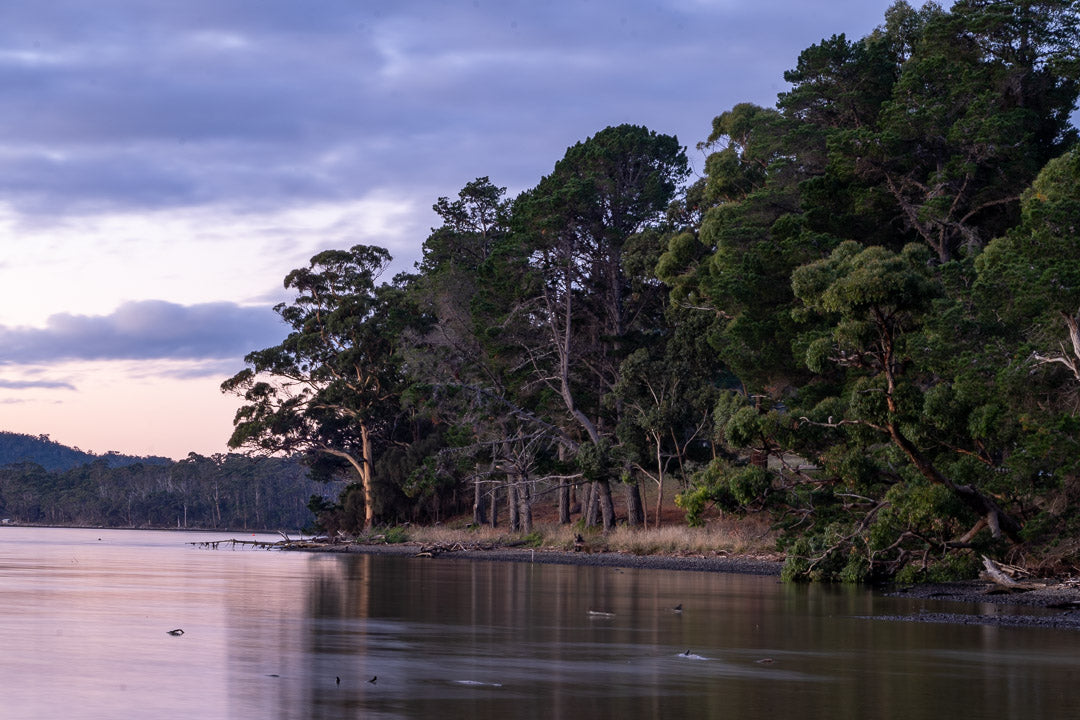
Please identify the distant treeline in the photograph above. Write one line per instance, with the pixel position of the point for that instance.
(51, 455)
(222, 491)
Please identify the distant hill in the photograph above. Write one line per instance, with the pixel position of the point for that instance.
(51, 455)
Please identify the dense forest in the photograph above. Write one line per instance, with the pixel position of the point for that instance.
(44, 482)
(861, 319)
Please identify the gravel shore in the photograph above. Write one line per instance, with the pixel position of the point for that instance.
(978, 603)
(1057, 605)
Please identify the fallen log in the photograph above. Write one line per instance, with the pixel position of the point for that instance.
(1003, 580)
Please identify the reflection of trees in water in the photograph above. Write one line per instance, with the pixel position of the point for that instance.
(479, 639)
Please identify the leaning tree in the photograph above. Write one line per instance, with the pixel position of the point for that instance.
(328, 386)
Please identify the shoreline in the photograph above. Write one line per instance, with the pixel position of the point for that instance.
(1055, 606)
(742, 565)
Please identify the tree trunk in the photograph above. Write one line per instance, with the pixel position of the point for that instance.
(592, 506)
(493, 507)
(635, 511)
(564, 504)
(513, 506)
(607, 505)
(525, 516)
(478, 501)
(366, 477)
(660, 482)
(564, 493)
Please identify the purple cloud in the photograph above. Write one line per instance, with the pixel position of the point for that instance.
(125, 105)
(146, 330)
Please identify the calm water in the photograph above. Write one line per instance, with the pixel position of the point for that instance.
(84, 616)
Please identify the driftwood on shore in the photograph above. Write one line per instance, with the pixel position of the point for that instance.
(437, 549)
(233, 543)
(1004, 577)
(286, 543)
(325, 544)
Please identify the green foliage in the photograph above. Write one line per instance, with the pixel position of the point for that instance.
(331, 385)
(850, 224)
(395, 535)
(749, 485)
(927, 510)
(709, 487)
(822, 557)
(533, 539)
(948, 568)
(595, 461)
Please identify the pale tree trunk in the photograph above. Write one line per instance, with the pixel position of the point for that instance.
(369, 490)
(513, 505)
(659, 485)
(362, 466)
(564, 504)
(493, 507)
(217, 504)
(525, 516)
(607, 504)
(564, 493)
(478, 501)
(1069, 358)
(563, 340)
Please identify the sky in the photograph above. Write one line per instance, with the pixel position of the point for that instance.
(164, 165)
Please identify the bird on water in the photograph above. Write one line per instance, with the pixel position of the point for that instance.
(176, 632)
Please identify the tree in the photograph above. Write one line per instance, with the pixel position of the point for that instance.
(978, 106)
(330, 385)
(464, 365)
(925, 132)
(873, 348)
(575, 224)
(1031, 277)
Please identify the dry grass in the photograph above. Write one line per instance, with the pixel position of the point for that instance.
(747, 536)
(732, 538)
(728, 536)
(450, 534)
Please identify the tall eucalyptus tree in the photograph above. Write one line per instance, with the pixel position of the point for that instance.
(330, 385)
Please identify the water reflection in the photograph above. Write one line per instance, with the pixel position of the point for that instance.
(476, 639)
(275, 635)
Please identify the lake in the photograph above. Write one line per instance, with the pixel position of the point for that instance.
(85, 615)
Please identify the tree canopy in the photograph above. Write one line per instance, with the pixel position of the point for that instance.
(860, 321)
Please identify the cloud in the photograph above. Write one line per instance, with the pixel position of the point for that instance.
(146, 330)
(119, 104)
(35, 384)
